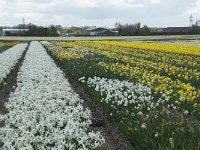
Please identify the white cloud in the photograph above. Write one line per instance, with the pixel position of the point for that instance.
(108, 3)
(98, 12)
(195, 10)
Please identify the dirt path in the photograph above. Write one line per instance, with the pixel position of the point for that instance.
(9, 85)
(114, 139)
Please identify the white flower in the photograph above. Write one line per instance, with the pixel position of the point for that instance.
(186, 112)
(144, 126)
(9, 58)
(156, 135)
(44, 110)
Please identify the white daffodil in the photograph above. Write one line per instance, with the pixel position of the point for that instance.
(9, 58)
(44, 112)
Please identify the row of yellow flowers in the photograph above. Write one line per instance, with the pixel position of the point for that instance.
(185, 73)
(169, 48)
(181, 60)
(67, 54)
(7, 44)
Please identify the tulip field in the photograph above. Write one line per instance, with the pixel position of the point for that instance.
(150, 91)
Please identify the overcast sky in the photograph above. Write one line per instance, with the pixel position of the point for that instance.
(160, 13)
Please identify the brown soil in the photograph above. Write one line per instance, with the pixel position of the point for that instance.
(9, 86)
(114, 139)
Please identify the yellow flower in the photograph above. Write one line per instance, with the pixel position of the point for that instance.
(62, 54)
(170, 69)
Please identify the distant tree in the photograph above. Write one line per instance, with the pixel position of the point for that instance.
(1, 28)
(137, 28)
(154, 29)
(53, 30)
(119, 27)
(130, 29)
(33, 30)
(196, 28)
(20, 26)
(69, 31)
(145, 30)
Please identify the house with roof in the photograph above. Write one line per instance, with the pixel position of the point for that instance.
(8, 32)
(178, 30)
(100, 32)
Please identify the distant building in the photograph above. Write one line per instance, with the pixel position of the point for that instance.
(9, 32)
(100, 32)
(171, 30)
(177, 30)
(107, 33)
(67, 34)
(160, 30)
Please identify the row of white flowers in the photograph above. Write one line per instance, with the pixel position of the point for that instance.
(54, 47)
(44, 112)
(123, 94)
(9, 58)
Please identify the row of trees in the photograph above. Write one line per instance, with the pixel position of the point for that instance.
(196, 28)
(52, 30)
(136, 29)
(123, 29)
(132, 29)
(34, 30)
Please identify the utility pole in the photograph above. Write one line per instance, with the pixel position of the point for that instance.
(23, 23)
(191, 20)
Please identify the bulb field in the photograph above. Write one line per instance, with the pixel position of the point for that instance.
(151, 91)
(43, 111)
(9, 58)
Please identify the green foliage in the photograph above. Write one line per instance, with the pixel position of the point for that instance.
(132, 29)
(35, 30)
(196, 28)
(161, 131)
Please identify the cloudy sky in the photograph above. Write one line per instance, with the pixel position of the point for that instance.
(160, 13)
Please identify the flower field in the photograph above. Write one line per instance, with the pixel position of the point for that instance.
(9, 58)
(5, 45)
(43, 111)
(150, 90)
